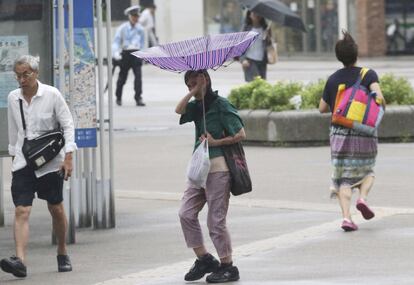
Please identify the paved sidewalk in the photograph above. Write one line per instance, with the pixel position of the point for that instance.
(285, 232)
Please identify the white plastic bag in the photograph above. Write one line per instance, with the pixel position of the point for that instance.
(199, 166)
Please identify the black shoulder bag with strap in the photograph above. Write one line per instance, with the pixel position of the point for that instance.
(236, 162)
(239, 172)
(42, 149)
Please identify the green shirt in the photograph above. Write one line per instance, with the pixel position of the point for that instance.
(221, 118)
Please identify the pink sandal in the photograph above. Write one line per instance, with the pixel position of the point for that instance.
(366, 212)
(349, 226)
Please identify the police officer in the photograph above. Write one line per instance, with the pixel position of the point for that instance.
(129, 37)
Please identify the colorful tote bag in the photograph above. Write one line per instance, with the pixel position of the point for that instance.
(357, 108)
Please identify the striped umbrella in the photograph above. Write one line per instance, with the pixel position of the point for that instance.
(207, 52)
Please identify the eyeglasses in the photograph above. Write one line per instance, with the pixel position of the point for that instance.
(23, 76)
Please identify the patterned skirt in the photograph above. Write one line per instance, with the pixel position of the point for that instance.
(353, 156)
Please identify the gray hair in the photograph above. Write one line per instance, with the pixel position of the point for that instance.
(31, 61)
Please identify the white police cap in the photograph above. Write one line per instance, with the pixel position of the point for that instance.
(133, 10)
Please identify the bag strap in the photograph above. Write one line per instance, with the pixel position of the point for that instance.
(204, 117)
(355, 87)
(22, 115)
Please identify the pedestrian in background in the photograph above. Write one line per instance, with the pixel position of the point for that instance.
(230, 17)
(129, 37)
(353, 153)
(254, 61)
(224, 127)
(147, 20)
(44, 109)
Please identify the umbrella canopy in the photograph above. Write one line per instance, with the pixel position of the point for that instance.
(199, 53)
(276, 11)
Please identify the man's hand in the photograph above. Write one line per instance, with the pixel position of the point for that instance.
(67, 166)
(117, 56)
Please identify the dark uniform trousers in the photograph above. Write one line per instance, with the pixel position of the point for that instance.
(127, 62)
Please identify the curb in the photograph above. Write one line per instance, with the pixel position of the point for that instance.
(309, 127)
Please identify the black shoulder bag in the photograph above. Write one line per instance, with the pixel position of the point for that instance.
(43, 148)
(236, 162)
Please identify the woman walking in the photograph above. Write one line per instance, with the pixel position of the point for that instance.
(254, 61)
(353, 153)
(221, 118)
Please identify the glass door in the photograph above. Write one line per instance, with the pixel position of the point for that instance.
(399, 16)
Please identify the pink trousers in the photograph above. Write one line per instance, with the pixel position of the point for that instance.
(217, 196)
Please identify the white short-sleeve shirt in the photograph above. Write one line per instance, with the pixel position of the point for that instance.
(46, 110)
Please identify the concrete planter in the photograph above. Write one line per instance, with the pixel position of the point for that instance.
(308, 127)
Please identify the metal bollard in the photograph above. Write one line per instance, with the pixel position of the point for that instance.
(83, 214)
(87, 178)
(1, 194)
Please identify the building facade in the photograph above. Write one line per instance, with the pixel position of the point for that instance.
(380, 26)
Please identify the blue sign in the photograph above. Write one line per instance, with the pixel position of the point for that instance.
(85, 137)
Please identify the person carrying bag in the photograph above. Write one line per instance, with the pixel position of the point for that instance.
(199, 165)
(41, 159)
(212, 115)
(42, 149)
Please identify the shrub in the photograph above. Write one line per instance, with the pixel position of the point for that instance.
(396, 90)
(260, 97)
(241, 96)
(281, 93)
(312, 94)
(259, 94)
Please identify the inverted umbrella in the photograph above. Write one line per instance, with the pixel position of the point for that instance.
(209, 52)
(276, 11)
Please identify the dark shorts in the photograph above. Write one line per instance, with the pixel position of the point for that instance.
(25, 184)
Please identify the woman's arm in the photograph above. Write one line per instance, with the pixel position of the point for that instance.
(200, 87)
(377, 89)
(241, 135)
(323, 107)
(182, 105)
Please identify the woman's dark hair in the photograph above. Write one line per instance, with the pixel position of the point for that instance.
(210, 96)
(346, 50)
(248, 21)
(191, 73)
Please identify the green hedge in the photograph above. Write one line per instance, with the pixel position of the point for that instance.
(260, 94)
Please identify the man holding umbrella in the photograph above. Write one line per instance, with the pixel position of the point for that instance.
(129, 37)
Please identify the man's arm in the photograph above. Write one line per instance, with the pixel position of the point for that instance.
(142, 38)
(67, 165)
(65, 119)
(116, 44)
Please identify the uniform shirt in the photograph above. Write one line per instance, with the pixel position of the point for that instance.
(221, 120)
(46, 109)
(128, 37)
(347, 76)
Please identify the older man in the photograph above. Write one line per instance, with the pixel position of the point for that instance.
(43, 108)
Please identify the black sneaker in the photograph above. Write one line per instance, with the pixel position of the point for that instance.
(64, 264)
(140, 102)
(14, 265)
(201, 266)
(225, 273)
(118, 102)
